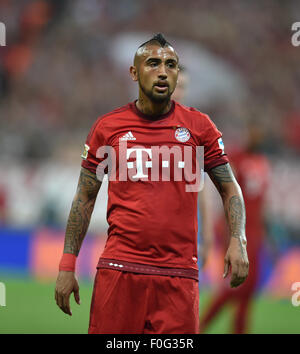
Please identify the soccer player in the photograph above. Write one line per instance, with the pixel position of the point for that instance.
(252, 171)
(147, 275)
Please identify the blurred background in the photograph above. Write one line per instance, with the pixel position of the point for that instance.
(66, 63)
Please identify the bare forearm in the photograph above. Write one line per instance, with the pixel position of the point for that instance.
(235, 213)
(78, 222)
(81, 211)
(233, 201)
(236, 255)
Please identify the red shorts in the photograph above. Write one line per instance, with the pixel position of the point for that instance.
(124, 303)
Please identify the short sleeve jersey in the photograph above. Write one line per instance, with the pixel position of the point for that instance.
(152, 217)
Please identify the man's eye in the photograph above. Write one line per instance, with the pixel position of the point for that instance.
(171, 65)
(153, 63)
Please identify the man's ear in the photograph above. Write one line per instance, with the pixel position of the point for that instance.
(133, 73)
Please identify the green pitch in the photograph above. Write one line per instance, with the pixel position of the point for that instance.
(31, 308)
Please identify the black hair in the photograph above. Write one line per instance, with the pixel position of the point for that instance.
(158, 38)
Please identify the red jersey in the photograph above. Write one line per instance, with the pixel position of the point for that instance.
(152, 221)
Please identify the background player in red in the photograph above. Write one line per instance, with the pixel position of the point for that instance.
(147, 278)
(251, 168)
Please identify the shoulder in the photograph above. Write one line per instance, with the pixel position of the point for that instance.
(200, 123)
(192, 113)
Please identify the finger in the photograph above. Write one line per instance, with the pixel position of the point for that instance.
(66, 304)
(60, 302)
(243, 273)
(57, 299)
(76, 296)
(243, 269)
(237, 280)
(234, 275)
(226, 268)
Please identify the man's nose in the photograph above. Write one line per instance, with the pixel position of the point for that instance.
(162, 72)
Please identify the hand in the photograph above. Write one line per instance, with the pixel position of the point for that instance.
(66, 283)
(237, 258)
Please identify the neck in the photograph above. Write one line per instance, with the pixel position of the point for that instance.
(153, 108)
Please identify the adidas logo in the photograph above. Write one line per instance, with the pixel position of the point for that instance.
(128, 136)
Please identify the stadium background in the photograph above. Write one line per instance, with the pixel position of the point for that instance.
(66, 63)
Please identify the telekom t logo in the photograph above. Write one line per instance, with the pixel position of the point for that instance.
(139, 161)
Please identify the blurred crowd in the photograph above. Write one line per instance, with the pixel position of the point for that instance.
(57, 76)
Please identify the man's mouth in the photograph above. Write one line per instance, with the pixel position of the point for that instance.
(161, 86)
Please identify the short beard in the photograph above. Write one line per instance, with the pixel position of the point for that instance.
(153, 97)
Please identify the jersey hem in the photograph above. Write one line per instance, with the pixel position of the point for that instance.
(151, 263)
(138, 268)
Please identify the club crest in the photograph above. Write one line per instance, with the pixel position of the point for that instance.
(182, 134)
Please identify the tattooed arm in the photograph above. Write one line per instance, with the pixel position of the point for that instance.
(77, 225)
(81, 211)
(236, 256)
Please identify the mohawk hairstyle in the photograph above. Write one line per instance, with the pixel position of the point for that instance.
(158, 38)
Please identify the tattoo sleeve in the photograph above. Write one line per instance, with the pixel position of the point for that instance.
(81, 211)
(224, 180)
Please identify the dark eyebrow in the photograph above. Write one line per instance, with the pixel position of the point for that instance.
(153, 59)
(158, 60)
(171, 60)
